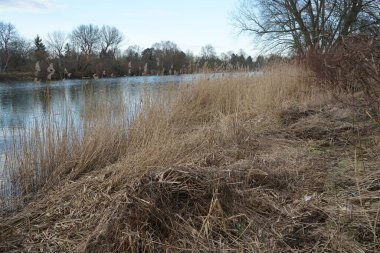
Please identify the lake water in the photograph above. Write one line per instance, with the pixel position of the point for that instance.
(23, 102)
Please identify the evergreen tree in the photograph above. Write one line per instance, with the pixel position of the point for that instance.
(40, 47)
(40, 53)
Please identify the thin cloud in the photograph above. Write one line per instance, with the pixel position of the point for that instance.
(26, 5)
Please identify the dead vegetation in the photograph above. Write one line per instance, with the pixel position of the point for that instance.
(351, 70)
(247, 164)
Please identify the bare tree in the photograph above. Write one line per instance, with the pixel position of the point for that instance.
(166, 46)
(110, 38)
(133, 51)
(8, 38)
(168, 57)
(298, 25)
(56, 42)
(208, 52)
(87, 38)
(23, 48)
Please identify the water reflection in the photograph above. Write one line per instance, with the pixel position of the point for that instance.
(22, 100)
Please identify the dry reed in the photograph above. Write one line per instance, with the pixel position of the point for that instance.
(234, 164)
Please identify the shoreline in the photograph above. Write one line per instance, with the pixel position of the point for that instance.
(29, 76)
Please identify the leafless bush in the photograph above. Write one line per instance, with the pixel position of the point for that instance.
(351, 69)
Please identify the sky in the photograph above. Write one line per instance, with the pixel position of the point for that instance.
(191, 24)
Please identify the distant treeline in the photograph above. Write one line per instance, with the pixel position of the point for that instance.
(90, 50)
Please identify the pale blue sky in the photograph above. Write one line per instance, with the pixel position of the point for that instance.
(189, 23)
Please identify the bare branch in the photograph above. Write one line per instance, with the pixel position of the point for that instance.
(312, 24)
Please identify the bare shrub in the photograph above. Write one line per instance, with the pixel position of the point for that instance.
(351, 69)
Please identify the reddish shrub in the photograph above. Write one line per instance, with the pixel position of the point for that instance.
(351, 69)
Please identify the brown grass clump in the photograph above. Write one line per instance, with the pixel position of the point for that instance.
(55, 148)
(238, 164)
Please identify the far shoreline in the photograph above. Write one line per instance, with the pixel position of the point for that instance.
(29, 76)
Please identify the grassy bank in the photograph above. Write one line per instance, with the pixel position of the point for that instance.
(260, 164)
(16, 76)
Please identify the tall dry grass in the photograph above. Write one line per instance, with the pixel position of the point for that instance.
(210, 113)
(173, 126)
(67, 142)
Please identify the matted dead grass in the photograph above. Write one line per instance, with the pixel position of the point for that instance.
(247, 164)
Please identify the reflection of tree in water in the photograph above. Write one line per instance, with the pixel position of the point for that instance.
(94, 95)
(15, 106)
(51, 98)
(74, 94)
(16, 100)
(20, 105)
(43, 98)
